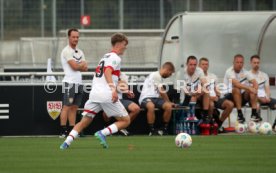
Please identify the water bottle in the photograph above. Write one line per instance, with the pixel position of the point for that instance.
(185, 130)
(176, 128)
(188, 128)
(193, 129)
(181, 127)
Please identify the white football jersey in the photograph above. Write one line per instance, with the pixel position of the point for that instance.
(211, 83)
(124, 78)
(101, 92)
(243, 77)
(188, 83)
(67, 54)
(262, 80)
(150, 86)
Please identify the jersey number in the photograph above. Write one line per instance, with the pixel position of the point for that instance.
(100, 69)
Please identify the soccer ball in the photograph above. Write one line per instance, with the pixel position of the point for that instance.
(183, 140)
(253, 127)
(240, 128)
(265, 128)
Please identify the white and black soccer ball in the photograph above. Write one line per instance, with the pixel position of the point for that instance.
(240, 128)
(183, 140)
(265, 128)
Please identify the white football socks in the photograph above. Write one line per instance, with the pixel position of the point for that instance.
(73, 134)
(110, 130)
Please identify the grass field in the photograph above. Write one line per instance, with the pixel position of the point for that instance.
(223, 154)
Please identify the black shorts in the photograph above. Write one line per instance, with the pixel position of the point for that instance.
(126, 103)
(72, 94)
(272, 104)
(158, 102)
(188, 99)
(218, 104)
(229, 96)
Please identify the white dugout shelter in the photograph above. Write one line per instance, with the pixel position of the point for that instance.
(219, 36)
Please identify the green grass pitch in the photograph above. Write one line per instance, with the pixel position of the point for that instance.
(143, 154)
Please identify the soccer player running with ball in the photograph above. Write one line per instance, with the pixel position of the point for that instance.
(103, 95)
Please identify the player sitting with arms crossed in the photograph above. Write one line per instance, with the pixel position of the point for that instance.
(240, 92)
(215, 100)
(104, 96)
(264, 95)
(154, 95)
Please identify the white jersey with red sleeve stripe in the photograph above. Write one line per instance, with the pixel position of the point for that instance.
(101, 92)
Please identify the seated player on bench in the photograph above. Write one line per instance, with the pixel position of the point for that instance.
(154, 95)
(264, 95)
(215, 100)
(193, 79)
(238, 81)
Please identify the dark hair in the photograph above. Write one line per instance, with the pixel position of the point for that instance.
(191, 58)
(169, 65)
(118, 37)
(238, 55)
(71, 30)
(254, 56)
(203, 59)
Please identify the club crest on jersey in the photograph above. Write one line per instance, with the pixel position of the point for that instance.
(242, 75)
(114, 62)
(54, 108)
(71, 99)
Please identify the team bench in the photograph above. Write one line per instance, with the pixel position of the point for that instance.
(175, 113)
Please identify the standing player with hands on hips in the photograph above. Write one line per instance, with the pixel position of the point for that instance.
(103, 95)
